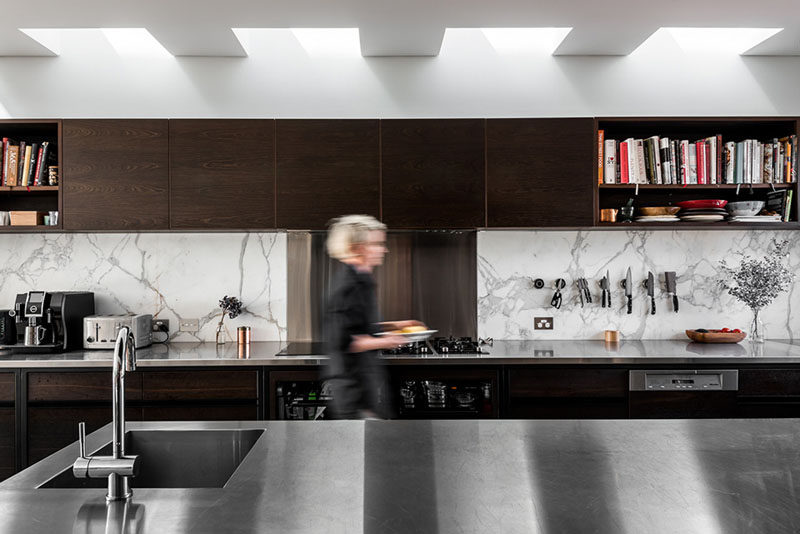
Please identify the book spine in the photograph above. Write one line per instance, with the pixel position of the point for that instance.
(655, 147)
(768, 163)
(793, 176)
(711, 160)
(41, 175)
(641, 172)
(673, 157)
(624, 162)
(666, 163)
(788, 208)
(728, 159)
(38, 168)
(13, 164)
(610, 161)
(21, 162)
(693, 179)
(649, 163)
(29, 176)
(3, 176)
(600, 156)
(788, 173)
(26, 166)
(718, 156)
(685, 174)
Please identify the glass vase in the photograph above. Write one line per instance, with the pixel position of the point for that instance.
(757, 331)
(222, 334)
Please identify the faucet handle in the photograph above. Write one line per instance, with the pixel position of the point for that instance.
(82, 438)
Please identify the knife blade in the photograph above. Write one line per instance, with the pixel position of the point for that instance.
(628, 285)
(608, 289)
(651, 292)
(669, 277)
(603, 292)
(586, 289)
(580, 290)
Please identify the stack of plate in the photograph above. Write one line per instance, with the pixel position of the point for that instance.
(657, 218)
(754, 218)
(703, 215)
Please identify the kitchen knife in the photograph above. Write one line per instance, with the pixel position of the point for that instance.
(651, 291)
(628, 285)
(580, 290)
(669, 276)
(608, 289)
(586, 289)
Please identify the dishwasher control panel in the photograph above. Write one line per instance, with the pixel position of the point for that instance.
(699, 380)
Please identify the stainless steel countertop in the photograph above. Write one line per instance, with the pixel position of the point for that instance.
(441, 477)
(506, 352)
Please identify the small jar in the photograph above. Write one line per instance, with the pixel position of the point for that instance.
(243, 335)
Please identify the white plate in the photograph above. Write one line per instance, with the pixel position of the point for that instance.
(708, 218)
(411, 336)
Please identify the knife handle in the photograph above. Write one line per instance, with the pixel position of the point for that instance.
(630, 305)
(652, 306)
(675, 302)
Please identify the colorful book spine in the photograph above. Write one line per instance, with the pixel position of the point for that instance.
(600, 156)
(624, 162)
(610, 161)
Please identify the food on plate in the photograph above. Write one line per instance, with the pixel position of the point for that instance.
(414, 329)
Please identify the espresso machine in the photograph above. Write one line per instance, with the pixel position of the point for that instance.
(51, 322)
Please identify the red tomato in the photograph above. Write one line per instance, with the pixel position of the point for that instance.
(725, 330)
(736, 331)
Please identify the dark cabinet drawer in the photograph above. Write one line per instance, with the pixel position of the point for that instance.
(682, 404)
(568, 382)
(80, 386)
(572, 408)
(7, 387)
(769, 382)
(200, 385)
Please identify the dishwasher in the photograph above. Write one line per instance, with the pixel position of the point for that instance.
(667, 394)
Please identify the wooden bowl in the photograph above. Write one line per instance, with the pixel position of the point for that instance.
(715, 336)
(659, 211)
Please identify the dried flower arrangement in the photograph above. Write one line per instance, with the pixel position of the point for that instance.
(233, 307)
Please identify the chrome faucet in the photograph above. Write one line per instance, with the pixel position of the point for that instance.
(118, 467)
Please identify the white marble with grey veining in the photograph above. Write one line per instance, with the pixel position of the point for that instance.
(509, 261)
(170, 275)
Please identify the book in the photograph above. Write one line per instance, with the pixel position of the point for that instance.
(718, 158)
(767, 177)
(609, 172)
(788, 206)
(738, 173)
(655, 151)
(673, 156)
(776, 202)
(624, 162)
(26, 166)
(31, 166)
(13, 164)
(649, 162)
(641, 173)
(38, 167)
(21, 161)
(692, 179)
(700, 154)
(600, 156)
(684, 162)
(666, 161)
(41, 173)
(728, 159)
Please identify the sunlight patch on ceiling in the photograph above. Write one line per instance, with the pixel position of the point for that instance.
(730, 40)
(515, 40)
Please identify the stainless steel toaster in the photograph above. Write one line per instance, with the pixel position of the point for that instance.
(100, 331)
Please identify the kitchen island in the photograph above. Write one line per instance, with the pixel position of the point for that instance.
(681, 476)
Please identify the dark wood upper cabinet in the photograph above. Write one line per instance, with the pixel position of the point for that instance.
(433, 173)
(540, 172)
(326, 168)
(222, 174)
(115, 174)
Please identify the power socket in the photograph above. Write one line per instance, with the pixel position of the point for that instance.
(542, 323)
(190, 325)
(159, 325)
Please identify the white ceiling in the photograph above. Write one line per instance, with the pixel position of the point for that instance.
(393, 27)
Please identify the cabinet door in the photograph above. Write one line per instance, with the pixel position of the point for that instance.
(115, 174)
(540, 172)
(8, 431)
(222, 174)
(208, 385)
(433, 173)
(326, 168)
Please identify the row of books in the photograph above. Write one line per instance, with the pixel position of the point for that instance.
(661, 160)
(27, 163)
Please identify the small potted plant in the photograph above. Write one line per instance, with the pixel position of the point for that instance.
(233, 307)
(757, 282)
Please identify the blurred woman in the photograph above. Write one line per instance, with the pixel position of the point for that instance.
(357, 378)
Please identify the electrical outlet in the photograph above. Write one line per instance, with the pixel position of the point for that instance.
(542, 323)
(159, 323)
(190, 325)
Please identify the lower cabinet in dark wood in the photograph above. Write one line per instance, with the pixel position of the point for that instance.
(51, 428)
(769, 393)
(682, 404)
(549, 408)
(8, 440)
(80, 386)
(200, 385)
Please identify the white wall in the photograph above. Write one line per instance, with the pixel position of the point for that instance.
(467, 79)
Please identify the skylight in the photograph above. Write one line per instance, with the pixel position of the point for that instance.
(525, 39)
(127, 42)
(733, 40)
(329, 41)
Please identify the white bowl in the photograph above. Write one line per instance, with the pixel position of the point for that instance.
(745, 208)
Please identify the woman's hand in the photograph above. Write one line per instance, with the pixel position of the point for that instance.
(367, 343)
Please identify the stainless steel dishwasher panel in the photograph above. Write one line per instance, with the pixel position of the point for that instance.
(679, 394)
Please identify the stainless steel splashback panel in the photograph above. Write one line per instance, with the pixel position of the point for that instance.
(427, 275)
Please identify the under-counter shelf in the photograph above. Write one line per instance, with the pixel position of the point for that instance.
(722, 225)
(692, 187)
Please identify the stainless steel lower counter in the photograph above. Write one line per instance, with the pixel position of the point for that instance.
(704, 476)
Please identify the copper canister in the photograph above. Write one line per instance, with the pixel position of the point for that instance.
(243, 335)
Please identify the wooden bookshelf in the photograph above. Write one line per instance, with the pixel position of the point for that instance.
(35, 197)
(763, 129)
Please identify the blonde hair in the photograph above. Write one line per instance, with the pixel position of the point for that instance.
(349, 230)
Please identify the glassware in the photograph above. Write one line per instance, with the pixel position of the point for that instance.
(757, 331)
(222, 334)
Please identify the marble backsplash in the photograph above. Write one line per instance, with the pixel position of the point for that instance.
(170, 275)
(509, 261)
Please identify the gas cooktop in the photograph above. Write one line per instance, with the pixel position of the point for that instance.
(441, 346)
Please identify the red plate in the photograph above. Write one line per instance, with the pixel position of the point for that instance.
(702, 204)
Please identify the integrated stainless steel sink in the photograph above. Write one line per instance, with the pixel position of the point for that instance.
(175, 459)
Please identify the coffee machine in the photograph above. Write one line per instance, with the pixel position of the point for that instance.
(51, 322)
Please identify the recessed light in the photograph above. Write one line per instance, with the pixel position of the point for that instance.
(525, 39)
(733, 40)
(134, 42)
